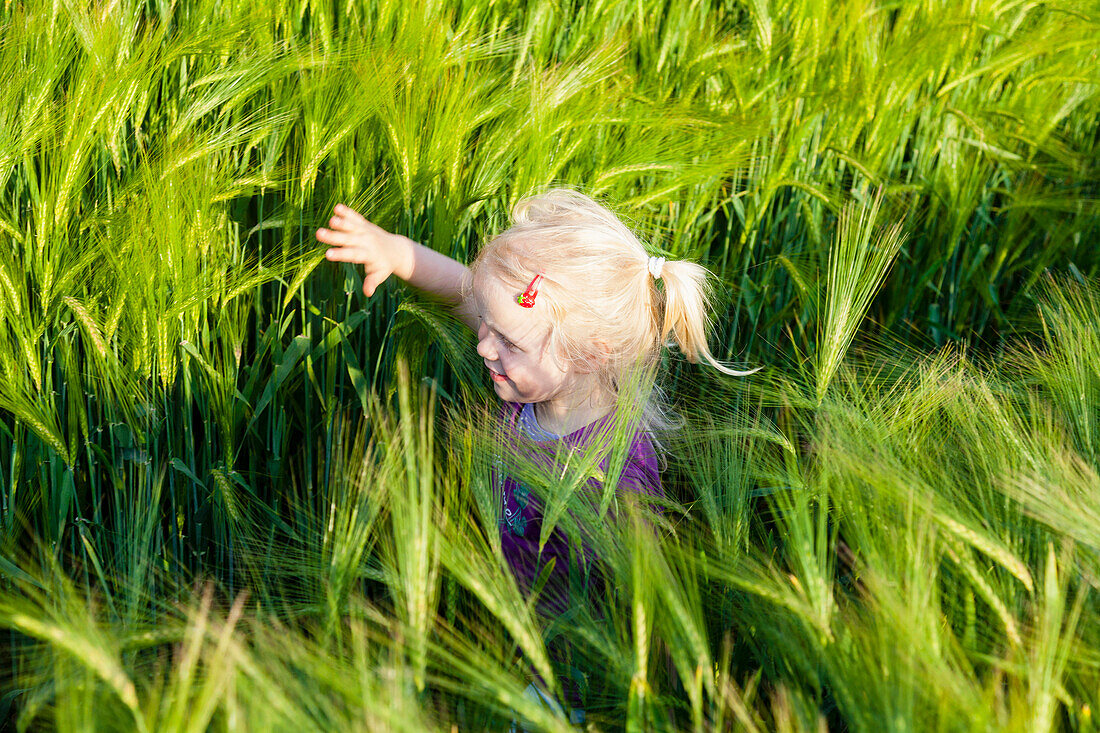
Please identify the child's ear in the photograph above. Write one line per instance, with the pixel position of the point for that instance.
(597, 357)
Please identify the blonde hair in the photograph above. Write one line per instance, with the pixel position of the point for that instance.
(610, 315)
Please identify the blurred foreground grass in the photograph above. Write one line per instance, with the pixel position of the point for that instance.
(221, 506)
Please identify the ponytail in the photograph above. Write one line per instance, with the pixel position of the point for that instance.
(685, 315)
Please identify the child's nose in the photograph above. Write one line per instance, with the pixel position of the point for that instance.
(486, 350)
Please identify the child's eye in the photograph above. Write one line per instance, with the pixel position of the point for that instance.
(509, 345)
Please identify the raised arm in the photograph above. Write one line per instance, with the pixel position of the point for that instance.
(354, 239)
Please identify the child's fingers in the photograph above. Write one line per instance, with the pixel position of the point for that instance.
(344, 224)
(371, 281)
(346, 254)
(346, 212)
(338, 238)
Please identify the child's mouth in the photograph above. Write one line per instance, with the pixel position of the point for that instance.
(497, 377)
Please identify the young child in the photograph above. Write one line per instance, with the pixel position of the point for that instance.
(568, 308)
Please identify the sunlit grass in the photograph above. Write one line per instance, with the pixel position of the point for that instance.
(223, 506)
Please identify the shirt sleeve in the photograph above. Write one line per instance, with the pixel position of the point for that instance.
(642, 477)
(641, 473)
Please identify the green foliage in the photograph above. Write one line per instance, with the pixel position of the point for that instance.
(865, 534)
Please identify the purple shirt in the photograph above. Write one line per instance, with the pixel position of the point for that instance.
(521, 509)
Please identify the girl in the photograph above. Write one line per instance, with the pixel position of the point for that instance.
(568, 308)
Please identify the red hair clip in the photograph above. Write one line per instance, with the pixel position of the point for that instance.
(527, 299)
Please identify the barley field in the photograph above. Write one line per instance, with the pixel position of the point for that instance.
(237, 495)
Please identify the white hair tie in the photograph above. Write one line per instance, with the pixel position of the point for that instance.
(656, 264)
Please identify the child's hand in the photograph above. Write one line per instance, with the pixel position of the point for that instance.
(354, 239)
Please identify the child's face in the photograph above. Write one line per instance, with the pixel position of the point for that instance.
(515, 343)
